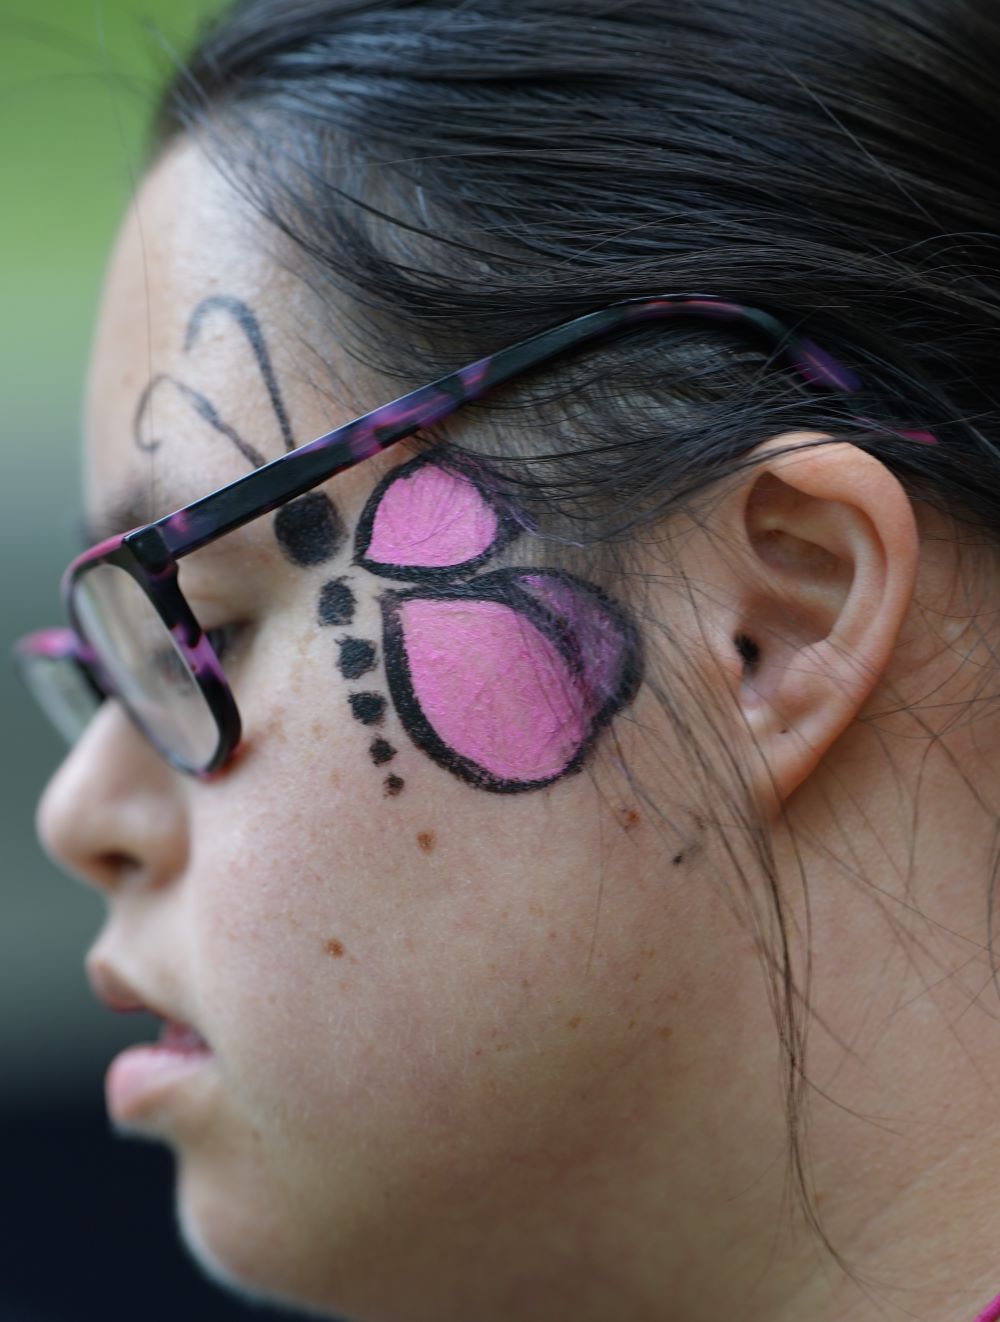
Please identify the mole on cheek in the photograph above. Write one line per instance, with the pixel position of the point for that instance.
(393, 785)
(333, 947)
(309, 529)
(426, 841)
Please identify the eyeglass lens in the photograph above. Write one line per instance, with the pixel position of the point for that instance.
(145, 665)
(63, 692)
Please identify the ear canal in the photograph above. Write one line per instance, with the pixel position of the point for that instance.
(747, 649)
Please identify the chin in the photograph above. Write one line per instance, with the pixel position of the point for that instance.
(246, 1247)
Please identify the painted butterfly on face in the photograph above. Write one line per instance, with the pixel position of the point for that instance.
(504, 678)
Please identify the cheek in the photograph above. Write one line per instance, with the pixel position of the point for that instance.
(419, 965)
(396, 969)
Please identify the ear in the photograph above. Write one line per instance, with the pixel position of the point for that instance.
(816, 552)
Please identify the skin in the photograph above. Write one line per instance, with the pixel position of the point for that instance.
(489, 1056)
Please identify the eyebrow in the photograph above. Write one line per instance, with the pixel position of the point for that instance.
(131, 510)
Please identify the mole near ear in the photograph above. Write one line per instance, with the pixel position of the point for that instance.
(309, 530)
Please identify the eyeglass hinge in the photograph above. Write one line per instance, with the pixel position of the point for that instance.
(149, 548)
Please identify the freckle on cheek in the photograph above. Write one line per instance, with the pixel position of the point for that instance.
(426, 841)
(333, 947)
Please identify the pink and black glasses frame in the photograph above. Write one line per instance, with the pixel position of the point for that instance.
(149, 554)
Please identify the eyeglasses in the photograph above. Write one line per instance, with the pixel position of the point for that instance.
(132, 634)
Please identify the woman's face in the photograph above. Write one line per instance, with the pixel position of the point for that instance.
(443, 1017)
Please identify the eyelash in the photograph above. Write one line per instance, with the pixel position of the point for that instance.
(224, 638)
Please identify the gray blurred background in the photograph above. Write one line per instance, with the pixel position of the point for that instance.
(90, 1215)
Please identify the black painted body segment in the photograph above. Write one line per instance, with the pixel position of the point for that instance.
(381, 751)
(357, 657)
(368, 708)
(309, 530)
(336, 603)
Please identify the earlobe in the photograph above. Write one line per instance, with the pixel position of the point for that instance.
(827, 547)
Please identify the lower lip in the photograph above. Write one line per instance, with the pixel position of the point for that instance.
(143, 1078)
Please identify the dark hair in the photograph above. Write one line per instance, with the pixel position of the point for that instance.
(461, 175)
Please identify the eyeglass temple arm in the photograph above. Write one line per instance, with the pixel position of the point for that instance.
(316, 461)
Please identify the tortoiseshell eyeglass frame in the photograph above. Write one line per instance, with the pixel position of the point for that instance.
(150, 553)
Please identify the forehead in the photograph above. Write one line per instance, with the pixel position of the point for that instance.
(205, 359)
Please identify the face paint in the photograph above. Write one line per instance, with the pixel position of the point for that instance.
(426, 522)
(506, 678)
(357, 657)
(201, 404)
(240, 313)
(309, 530)
(381, 751)
(336, 603)
(368, 708)
(499, 687)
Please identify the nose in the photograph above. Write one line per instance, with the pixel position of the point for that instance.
(115, 810)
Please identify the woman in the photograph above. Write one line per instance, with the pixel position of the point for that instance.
(564, 863)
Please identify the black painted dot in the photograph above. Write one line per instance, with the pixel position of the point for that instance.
(381, 752)
(336, 603)
(357, 657)
(393, 784)
(368, 708)
(309, 529)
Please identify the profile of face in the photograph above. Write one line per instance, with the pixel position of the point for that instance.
(462, 986)
(410, 919)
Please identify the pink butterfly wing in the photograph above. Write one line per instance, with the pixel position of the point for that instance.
(493, 689)
(501, 692)
(595, 634)
(426, 517)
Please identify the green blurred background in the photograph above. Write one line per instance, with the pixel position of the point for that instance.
(90, 1223)
(77, 81)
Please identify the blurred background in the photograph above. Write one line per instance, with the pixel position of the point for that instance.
(90, 1229)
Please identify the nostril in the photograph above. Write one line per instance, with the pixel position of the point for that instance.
(111, 868)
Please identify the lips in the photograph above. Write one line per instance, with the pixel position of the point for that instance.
(119, 993)
(149, 1082)
(181, 1038)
